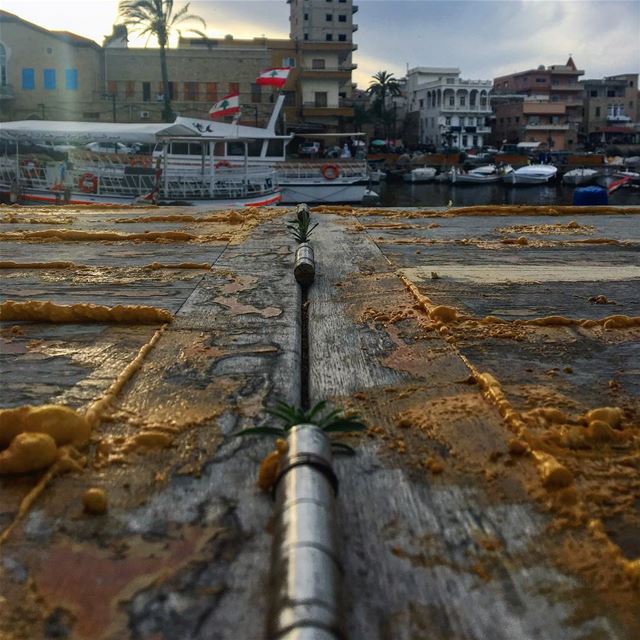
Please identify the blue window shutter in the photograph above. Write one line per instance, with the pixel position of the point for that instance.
(71, 79)
(49, 77)
(28, 78)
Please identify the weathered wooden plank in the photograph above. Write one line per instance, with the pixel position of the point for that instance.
(182, 551)
(458, 554)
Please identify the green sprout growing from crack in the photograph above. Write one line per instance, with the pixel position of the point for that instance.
(302, 228)
(290, 415)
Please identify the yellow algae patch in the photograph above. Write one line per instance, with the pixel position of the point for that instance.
(237, 308)
(522, 240)
(444, 314)
(547, 229)
(44, 311)
(611, 416)
(554, 474)
(69, 235)
(268, 470)
(28, 452)
(95, 501)
(552, 321)
(152, 439)
(620, 322)
(492, 320)
(60, 423)
(156, 266)
(9, 264)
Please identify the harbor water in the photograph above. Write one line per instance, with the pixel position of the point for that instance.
(439, 194)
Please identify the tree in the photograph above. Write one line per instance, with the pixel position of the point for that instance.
(382, 86)
(156, 18)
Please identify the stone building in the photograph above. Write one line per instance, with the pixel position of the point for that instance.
(611, 110)
(452, 112)
(52, 75)
(542, 105)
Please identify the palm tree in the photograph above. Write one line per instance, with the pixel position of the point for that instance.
(383, 84)
(157, 18)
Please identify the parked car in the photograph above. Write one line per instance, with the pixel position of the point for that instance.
(311, 149)
(110, 147)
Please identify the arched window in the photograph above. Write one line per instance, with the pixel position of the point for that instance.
(3, 66)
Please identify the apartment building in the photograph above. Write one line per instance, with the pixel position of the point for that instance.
(322, 34)
(611, 108)
(452, 111)
(541, 105)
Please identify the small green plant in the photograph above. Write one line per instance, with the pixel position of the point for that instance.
(290, 415)
(302, 228)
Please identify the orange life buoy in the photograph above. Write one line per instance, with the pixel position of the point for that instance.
(330, 171)
(88, 183)
(222, 163)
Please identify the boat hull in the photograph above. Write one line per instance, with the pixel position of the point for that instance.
(323, 191)
(579, 178)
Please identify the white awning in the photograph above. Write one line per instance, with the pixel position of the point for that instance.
(83, 132)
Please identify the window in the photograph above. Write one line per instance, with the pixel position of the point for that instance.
(146, 92)
(71, 79)
(593, 93)
(342, 37)
(306, 16)
(597, 112)
(320, 99)
(306, 36)
(3, 66)
(256, 93)
(329, 17)
(212, 92)
(329, 37)
(191, 91)
(342, 18)
(130, 89)
(452, 101)
(541, 80)
(289, 62)
(421, 103)
(112, 87)
(49, 79)
(611, 93)
(462, 101)
(234, 87)
(447, 120)
(318, 63)
(28, 79)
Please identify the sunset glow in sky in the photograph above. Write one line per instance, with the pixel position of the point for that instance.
(484, 38)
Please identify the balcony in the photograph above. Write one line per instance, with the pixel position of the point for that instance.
(463, 109)
(546, 127)
(354, 27)
(618, 118)
(354, 8)
(312, 109)
(339, 69)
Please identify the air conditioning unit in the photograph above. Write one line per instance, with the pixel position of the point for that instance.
(144, 115)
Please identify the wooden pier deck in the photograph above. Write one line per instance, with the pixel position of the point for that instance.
(474, 347)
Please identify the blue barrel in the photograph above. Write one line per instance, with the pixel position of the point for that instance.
(589, 196)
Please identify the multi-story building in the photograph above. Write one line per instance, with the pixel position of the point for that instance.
(48, 74)
(322, 34)
(451, 111)
(611, 109)
(66, 77)
(542, 105)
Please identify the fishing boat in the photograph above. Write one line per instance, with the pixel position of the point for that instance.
(580, 176)
(84, 177)
(420, 175)
(531, 174)
(486, 174)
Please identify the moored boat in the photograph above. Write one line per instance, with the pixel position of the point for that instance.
(486, 174)
(420, 175)
(580, 176)
(531, 174)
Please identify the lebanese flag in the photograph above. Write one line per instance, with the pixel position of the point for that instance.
(227, 106)
(274, 77)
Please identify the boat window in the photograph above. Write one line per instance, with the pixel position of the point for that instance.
(235, 148)
(275, 148)
(180, 148)
(255, 147)
(218, 149)
(195, 149)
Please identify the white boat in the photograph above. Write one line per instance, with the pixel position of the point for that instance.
(531, 174)
(486, 174)
(420, 175)
(580, 176)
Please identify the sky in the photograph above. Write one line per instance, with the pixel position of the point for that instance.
(484, 38)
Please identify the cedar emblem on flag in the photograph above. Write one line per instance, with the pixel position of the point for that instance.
(226, 106)
(274, 77)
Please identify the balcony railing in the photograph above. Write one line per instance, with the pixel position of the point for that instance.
(546, 127)
(355, 8)
(618, 118)
(459, 108)
(354, 27)
(341, 67)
